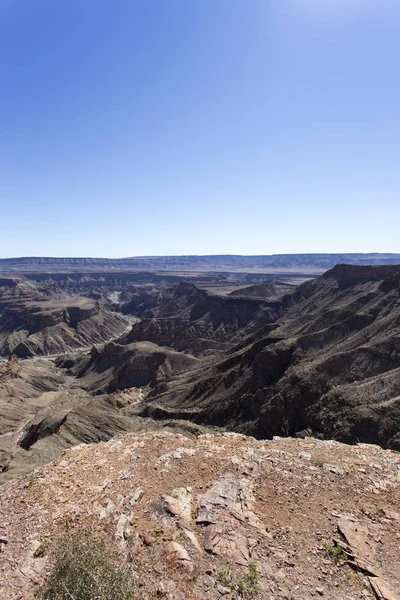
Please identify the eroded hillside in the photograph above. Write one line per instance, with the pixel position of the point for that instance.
(44, 320)
(330, 362)
(194, 320)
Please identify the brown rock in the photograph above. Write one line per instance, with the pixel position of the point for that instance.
(178, 504)
(148, 539)
(383, 590)
(227, 541)
(356, 535)
(177, 554)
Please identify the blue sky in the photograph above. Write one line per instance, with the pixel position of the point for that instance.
(180, 127)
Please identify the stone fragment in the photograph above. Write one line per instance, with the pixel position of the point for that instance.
(223, 590)
(148, 539)
(178, 504)
(356, 535)
(122, 527)
(333, 469)
(168, 589)
(222, 494)
(137, 494)
(389, 514)
(110, 508)
(229, 496)
(177, 554)
(190, 534)
(138, 546)
(305, 455)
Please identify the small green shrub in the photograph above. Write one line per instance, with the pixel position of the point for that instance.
(226, 576)
(335, 551)
(85, 568)
(246, 586)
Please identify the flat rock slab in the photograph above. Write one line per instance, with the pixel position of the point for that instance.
(356, 535)
(383, 590)
(227, 540)
(223, 494)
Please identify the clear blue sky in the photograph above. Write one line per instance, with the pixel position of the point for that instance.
(199, 126)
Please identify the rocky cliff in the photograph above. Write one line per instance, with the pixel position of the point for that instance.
(37, 320)
(191, 319)
(330, 362)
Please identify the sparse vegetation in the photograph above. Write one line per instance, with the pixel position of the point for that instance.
(335, 551)
(226, 576)
(354, 576)
(285, 431)
(245, 585)
(42, 549)
(318, 459)
(85, 568)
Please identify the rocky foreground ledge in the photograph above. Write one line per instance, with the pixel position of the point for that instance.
(193, 516)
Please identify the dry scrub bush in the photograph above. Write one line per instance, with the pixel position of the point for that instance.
(86, 568)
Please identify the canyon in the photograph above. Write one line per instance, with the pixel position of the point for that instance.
(285, 361)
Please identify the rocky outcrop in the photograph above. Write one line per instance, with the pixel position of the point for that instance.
(41, 314)
(25, 387)
(41, 318)
(44, 410)
(178, 333)
(217, 516)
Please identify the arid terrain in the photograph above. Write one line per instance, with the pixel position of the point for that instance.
(193, 516)
(156, 367)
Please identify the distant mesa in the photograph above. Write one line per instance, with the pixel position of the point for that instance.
(317, 263)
